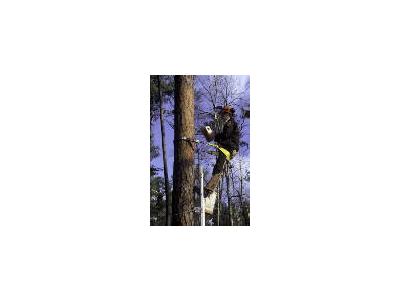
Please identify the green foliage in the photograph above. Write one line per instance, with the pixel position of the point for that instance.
(154, 100)
(157, 201)
(167, 92)
(157, 188)
(154, 152)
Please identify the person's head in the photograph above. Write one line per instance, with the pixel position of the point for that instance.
(227, 113)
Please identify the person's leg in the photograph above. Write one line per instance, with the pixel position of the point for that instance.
(219, 165)
(217, 172)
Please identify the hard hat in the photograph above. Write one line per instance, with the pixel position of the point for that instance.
(228, 109)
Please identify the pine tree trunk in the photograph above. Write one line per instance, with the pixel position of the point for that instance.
(183, 202)
(164, 150)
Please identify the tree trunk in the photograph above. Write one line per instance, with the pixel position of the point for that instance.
(183, 202)
(228, 194)
(219, 201)
(242, 207)
(164, 150)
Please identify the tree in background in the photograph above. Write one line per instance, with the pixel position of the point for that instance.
(154, 152)
(166, 178)
(156, 188)
(161, 86)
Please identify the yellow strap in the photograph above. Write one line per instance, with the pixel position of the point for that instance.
(213, 152)
(223, 150)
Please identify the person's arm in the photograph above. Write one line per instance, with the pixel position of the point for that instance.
(232, 141)
(235, 138)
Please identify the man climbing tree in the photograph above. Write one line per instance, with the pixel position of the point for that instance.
(226, 134)
(183, 177)
(183, 105)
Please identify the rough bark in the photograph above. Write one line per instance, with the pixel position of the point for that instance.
(183, 202)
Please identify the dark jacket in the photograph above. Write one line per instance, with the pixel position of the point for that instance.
(229, 137)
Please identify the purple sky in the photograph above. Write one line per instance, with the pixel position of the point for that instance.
(169, 133)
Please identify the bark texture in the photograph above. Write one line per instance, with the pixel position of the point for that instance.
(183, 198)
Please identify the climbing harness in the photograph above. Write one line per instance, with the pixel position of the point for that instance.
(223, 150)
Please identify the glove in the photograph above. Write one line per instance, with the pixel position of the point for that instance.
(234, 152)
(208, 133)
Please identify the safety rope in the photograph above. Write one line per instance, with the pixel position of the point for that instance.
(223, 150)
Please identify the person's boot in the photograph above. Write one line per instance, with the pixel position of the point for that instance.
(210, 203)
(206, 192)
(210, 187)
